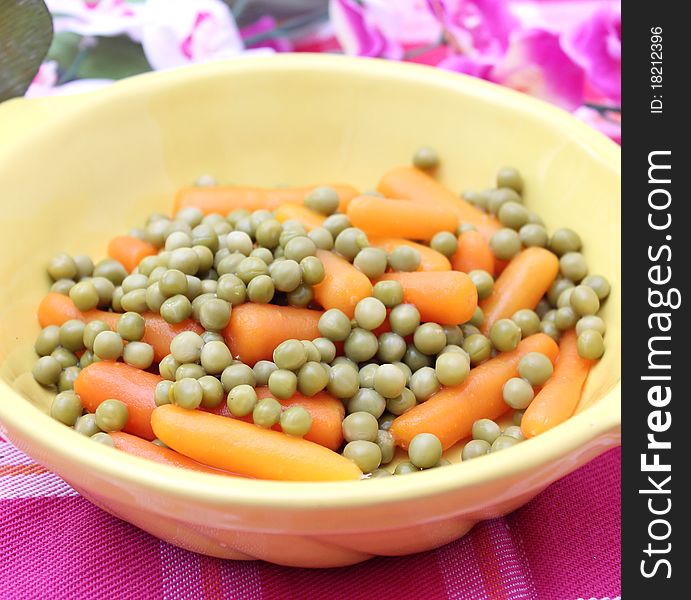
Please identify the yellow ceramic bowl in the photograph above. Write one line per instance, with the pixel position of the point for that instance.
(75, 171)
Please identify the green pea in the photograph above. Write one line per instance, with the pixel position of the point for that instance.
(475, 448)
(290, 354)
(215, 357)
(283, 383)
(48, 340)
(452, 368)
(343, 360)
(350, 242)
(154, 298)
(469, 329)
(429, 338)
(514, 432)
(386, 420)
(334, 325)
(228, 264)
(600, 285)
(84, 264)
(505, 335)
(131, 326)
(261, 289)
(242, 400)
(478, 347)
(205, 258)
(517, 417)
(392, 347)
(590, 322)
(500, 196)
(236, 215)
(62, 266)
(453, 333)
(262, 370)
(62, 286)
(533, 234)
(162, 394)
(536, 368)
(185, 260)
(416, 359)
(299, 248)
(404, 319)
(508, 177)
(108, 345)
(104, 439)
(186, 347)
(86, 425)
(573, 266)
(365, 454)
(405, 369)
(231, 289)
(72, 335)
(478, 199)
(214, 314)
(513, 215)
(187, 393)
(565, 318)
(239, 241)
(372, 262)
(138, 354)
(343, 381)
(67, 378)
(584, 301)
(324, 200)
(527, 320)
(367, 400)
(134, 301)
(402, 403)
(267, 412)
(404, 468)
(505, 243)
(312, 270)
(237, 374)
(590, 344)
(445, 243)
(205, 235)
(312, 378)
(503, 442)
(366, 375)
(84, 295)
(425, 450)
(370, 313)
(66, 407)
(565, 240)
(550, 329)
(286, 275)
(389, 293)
(268, 233)
(189, 370)
(173, 282)
(326, 347)
(476, 320)
(167, 367)
(335, 224)
(518, 393)
(485, 429)
(389, 381)
(322, 238)
(361, 345)
(111, 415)
(564, 299)
(301, 296)
(65, 357)
(296, 421)
(176, 309)
(557, 289)
(405, 258)
(110, 269)
(453, 348)
(251, 267)
(426, 158)
(424, 383)
(178, 236)
(360, 426)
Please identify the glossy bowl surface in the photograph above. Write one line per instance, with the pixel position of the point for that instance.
(75, 171)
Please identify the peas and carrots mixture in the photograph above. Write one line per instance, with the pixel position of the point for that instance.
(315, 333)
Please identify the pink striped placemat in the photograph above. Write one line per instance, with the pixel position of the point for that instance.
(565, 544)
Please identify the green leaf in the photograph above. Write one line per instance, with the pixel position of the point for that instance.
(26, 30)
(64, 48)
(113, 58)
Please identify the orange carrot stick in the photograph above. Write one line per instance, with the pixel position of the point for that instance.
(473, 252)
(558, 398)
(56, 308)
(386, 217)
(343, 285)
(450, 413)
(327, 415)
(129, 250)
(227, 198)
(311, 219)
(409, 183)
(255, 330)
(244, 448)
(114, 380)
(521, 285)
(446, 297)
(145, 449)
(431, 259)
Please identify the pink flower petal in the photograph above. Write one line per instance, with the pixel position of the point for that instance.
(357, 35)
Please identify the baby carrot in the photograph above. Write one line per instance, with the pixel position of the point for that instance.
(431, 259)
(521, 285)
(145, 449)
(227, 198)
(246, 449)
(56, 308)
(446, 297)
(558, 398)
(129, 250)
(107, 379)
(343, 285)
(308, 217)
(473, 252)
(326, 411)
(450, 413)
(255, 330)
(412, 184)
(386, 217)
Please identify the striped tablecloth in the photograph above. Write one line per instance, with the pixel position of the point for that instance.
(563, 545)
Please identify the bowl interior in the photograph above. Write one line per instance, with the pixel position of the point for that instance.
(101, 169)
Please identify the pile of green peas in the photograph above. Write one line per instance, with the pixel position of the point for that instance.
(207, 264)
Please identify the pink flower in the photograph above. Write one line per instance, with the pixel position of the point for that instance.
(595, 45)
(45, 83)
(610, 124)
(96, 17)
(260, 26)
(536, 64)
(180, 32)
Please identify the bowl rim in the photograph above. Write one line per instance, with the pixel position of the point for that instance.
(600, 420)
